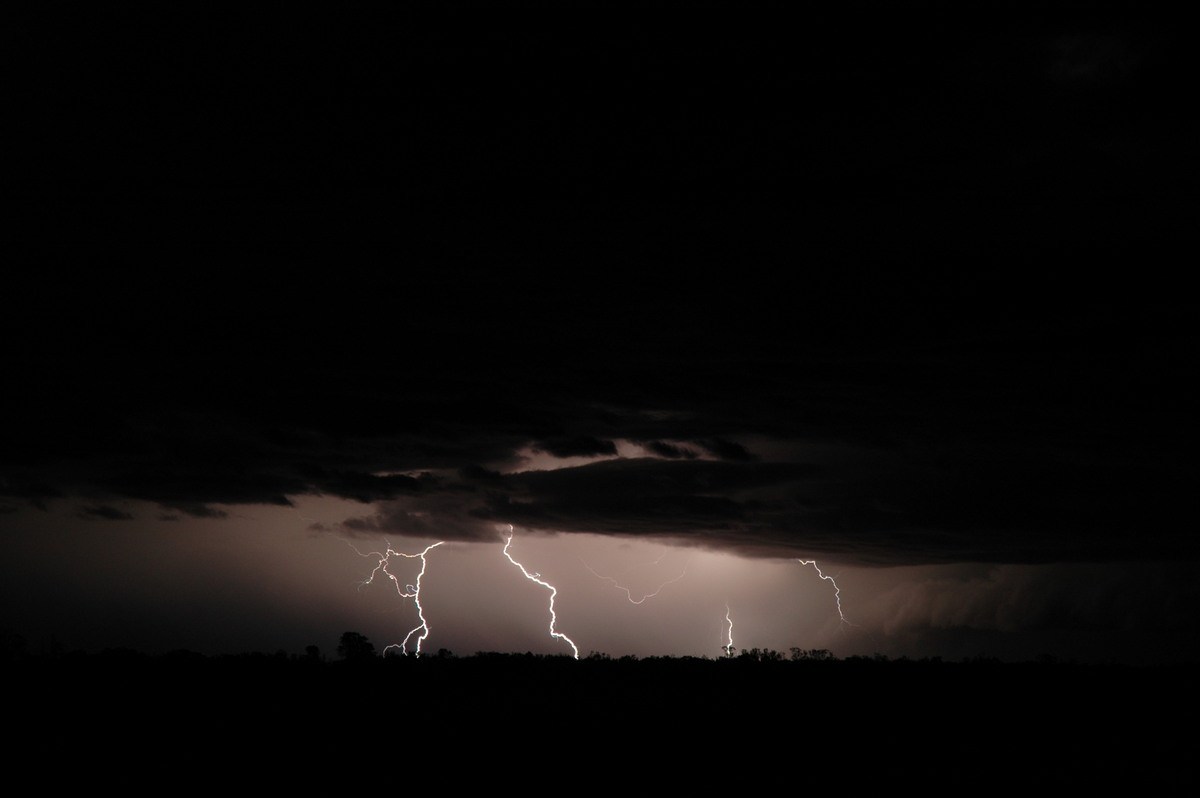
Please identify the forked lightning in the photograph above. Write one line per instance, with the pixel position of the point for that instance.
(412, 591)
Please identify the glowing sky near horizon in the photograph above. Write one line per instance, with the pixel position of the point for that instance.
(262, 580)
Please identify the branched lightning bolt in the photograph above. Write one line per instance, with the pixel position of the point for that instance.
(412, 591)
(837, 592)
(628, 593)
(535, 577)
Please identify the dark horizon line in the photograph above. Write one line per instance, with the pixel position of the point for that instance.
(751, 656)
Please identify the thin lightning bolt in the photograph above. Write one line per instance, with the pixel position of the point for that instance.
(728, 647)
(628, 592)
(837, 592)
(303, 517)
(408, 591)
(553, 592)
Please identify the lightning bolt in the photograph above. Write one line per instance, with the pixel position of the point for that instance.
(535, 577)
(628, 593)
(412, 591)
(837, 592)
(728, 647)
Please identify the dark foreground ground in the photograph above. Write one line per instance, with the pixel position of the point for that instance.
(556, 725)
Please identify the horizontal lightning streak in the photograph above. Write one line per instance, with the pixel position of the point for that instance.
(629, 593)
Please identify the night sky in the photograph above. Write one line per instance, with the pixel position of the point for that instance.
(678, 299)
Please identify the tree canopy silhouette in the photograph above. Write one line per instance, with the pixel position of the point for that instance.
(356, 647)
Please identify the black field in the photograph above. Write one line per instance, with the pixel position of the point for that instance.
(552, 723)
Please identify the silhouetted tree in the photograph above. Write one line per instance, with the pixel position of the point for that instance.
(355, 646)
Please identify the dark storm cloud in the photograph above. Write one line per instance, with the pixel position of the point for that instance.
(725, 450)
(892, 277)
(1017, 411)
(363, 487)
(871, 508)
(711, 502)
(641, 477)
(197, 510)
(669, 450)
(105, 512)
(189, 489)
(579, 446)
(1007, 415)
(393, 519)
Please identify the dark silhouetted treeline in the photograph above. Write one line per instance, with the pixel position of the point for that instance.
(678, 722)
